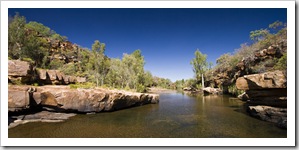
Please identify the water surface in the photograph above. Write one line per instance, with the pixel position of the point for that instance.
(176, 116)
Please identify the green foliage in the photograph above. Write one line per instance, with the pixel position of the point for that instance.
(276, 24)
(38, 28)
(99, 62)
(56, 64)
(200, 66)
(16, 36)
(56, 36)
(282, 63)
(232, 89)
(30, 40)
(258, 35)
(28, 60)
(180, 84)
(87, 85)
(69, 69)
(141, 88)
(199, 63)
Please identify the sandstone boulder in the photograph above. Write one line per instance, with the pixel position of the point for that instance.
(275, 79)
(18, 68)
(19, 71)
(90, 100)
(52, 74)
(18, 99)
(64, 99)
(210, 90)
(42, 74)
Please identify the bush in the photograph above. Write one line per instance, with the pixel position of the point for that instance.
(87, 85)
(232, 89)
(28, 60)
(69, 69)
(56, 64)
(282, 63)
(141, 88)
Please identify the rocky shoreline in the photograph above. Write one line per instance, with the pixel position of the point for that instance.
(51, 103)
(266, 96)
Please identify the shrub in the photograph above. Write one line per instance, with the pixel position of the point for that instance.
(232, 89)
(28, 60)
(87, 85)
(56, 64)
(282, 63)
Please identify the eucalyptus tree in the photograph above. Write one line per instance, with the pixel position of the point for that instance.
(200, 65)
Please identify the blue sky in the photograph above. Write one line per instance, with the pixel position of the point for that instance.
(167, 38)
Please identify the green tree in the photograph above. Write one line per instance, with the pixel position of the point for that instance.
(276, 25)
(100, 63)
(36, 47)
(16, 36)
(199, 65)
(258, 35)
(39, 29)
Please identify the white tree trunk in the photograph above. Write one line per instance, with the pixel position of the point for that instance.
(202, 81)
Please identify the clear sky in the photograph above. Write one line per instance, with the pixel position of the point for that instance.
(167, 38)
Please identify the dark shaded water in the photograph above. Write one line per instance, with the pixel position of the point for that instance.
(176, 116)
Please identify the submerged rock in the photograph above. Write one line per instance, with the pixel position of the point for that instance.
(43, 116)
(271, 114)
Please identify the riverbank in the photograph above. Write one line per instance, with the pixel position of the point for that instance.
(177, 115)
(59, 101)
(158, 90)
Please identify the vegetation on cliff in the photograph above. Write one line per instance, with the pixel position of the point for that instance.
(44, 48)
(267, 52)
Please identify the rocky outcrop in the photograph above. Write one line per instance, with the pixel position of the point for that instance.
(268, 53)
(64, 99)
(19, 71)
(18, 99)
(57, 77)
(267, 80)
(269, 88)
(266, 96)
(271, 114)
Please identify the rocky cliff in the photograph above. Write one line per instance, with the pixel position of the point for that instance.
(22, 72)
(260, 60)
(269, 88)
(266, 96)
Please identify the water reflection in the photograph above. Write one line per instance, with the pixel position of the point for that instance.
(177, 115)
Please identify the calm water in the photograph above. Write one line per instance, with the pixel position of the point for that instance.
(176, 116)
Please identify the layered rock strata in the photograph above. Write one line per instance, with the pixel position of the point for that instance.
(21, 72)
(266, 96)
(64, 99)
(269, 88)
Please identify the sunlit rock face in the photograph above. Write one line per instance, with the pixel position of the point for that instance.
(19, 71)
(266, 96)
(64, 99)
(269, 88)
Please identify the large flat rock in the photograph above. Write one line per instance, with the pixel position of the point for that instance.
(18, 68)
(275, 79)
(65, 99)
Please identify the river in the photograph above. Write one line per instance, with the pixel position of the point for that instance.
(176, 116)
